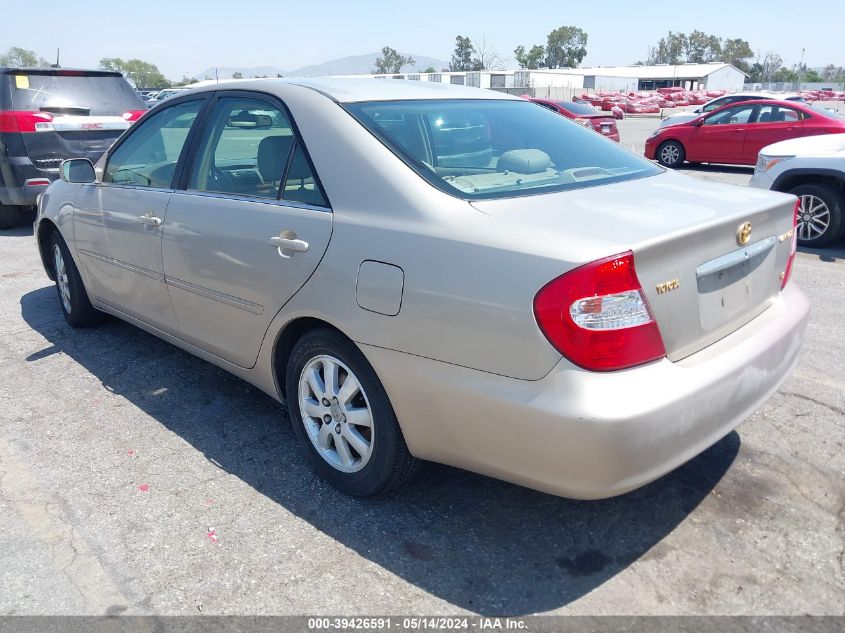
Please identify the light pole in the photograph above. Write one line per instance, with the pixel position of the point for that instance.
(800, 68)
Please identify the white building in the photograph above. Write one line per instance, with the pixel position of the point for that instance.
(564, 82)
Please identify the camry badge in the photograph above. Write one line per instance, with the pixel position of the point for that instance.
(743, 233)
(668, 286)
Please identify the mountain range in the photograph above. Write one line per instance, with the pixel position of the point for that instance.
(352, 65)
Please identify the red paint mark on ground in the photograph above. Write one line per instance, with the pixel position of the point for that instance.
(131, 453)
(144, 487)
(212, 535)
(209, 502)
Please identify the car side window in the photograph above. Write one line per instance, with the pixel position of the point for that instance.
(777, 114)
(148, 156)
(244, 149)
(736, 115)
(715, 105)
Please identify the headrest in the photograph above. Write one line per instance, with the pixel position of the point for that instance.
(524, 161)
(272, 155)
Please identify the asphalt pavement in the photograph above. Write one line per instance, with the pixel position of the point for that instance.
(135, 478)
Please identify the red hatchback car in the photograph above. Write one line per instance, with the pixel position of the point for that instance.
(585, 114)
(734, 134)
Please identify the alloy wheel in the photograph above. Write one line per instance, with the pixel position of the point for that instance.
(670, 154)
(336, 413)
(813, 218)
(61, 277)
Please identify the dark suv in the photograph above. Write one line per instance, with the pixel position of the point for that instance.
(48, 115)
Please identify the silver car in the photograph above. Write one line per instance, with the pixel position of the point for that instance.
(429, 272)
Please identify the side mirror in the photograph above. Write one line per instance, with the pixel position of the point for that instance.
(78, 170)
(698, 122)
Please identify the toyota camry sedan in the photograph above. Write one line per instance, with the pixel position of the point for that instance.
(432, 272)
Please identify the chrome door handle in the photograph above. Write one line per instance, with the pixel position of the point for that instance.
(288, 244)
(150, 220)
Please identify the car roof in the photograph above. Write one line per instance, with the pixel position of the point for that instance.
(350, 90)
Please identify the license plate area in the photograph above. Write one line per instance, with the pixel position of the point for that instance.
(736, 283)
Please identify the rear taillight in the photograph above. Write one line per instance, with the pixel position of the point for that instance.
(793, 246)
(26, 121)
(598, 316)
(584, 122)
(133, 115)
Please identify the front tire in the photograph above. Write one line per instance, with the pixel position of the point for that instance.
(342, 417)
(671, 154)
(820, 221)
(73, 300)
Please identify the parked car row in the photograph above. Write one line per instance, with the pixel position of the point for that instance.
(758, 132)
(425, 271)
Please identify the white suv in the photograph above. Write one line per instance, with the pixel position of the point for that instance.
(812, 168)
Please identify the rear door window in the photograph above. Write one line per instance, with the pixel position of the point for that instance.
(148, 156)
(71, 93)
(244, 149)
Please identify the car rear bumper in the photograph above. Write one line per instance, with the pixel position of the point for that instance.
(21, 181)
(591, 435)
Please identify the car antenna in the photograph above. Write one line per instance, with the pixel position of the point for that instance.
(57, 65)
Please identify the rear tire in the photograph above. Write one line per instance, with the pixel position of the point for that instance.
(11, 216)
(820, 218)
(73, 300)
(354, 441)
(671, 154)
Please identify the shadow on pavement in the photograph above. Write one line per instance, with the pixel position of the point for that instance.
(477, 543)
(718, 169)
(18, 231)
(830, 254)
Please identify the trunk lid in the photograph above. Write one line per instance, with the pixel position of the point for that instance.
(702, 283)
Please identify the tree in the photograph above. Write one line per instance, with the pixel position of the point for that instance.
(807, 74)
(702, 48)
(143, 74)
(533, 59)
(566, 47)
(430, 69)
(737, 52)
(19, 57)
(487, 57)
(237, 75)
(769, 67)
(669, 50)
(462, 57)
(391, 62)
(185, 81)
(785, 74)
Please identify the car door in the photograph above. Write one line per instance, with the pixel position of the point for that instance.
(118, 220)
(720, 137)
(773, 123)
(247, 228)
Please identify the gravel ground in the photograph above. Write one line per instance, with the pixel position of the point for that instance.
(135, 478)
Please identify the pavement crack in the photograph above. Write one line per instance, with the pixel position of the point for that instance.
(820, 403)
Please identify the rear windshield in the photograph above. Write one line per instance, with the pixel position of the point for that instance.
(577, 108)
(90, 95)
(477, 148)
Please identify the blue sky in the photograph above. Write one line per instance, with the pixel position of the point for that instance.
(187, 37)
